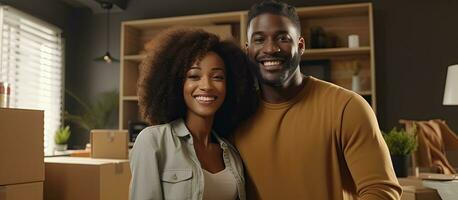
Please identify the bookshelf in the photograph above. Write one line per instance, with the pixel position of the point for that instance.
(340, 20)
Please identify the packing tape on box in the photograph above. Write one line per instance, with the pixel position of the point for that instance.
(111, 136)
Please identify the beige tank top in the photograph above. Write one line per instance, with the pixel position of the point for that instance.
(221, 185)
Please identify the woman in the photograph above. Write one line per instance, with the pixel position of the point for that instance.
(196, 89)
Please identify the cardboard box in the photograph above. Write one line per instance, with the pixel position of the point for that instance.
(112, 144)
(223, 31)
(26, 191)
(21, 146)
(75, 178)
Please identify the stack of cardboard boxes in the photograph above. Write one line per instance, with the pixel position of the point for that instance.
(26, 175)
(103, 176)
(21, 154)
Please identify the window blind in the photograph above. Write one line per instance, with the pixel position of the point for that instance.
(31, 61)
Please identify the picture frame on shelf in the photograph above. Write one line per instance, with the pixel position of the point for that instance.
(320, 69)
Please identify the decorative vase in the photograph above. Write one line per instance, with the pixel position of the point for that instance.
(401, 164)
(355, 83)
(60, 147)
(353, 41)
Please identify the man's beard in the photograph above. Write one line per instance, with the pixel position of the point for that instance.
(290, 67)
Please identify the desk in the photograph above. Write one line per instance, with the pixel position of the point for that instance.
(72, 153)
(448, 190)
(413, 189)
(445, 185)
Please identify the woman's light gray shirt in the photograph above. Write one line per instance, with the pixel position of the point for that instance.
(164, 164)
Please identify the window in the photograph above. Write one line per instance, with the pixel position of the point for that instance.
(31, 61)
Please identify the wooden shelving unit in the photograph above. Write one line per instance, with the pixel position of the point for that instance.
(365, 93)
(135, 58)
(331, 52)
(340, 20)
(130, 98)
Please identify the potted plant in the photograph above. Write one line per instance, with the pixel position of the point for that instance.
(97, 114)
(61, 138)
(401, 145)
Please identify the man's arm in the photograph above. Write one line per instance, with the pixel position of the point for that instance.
(366, 153)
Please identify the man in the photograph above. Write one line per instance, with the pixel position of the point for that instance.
(309, 139)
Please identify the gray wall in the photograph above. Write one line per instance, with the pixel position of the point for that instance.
(53, 11)
(414, 44)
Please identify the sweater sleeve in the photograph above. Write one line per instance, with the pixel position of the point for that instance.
(366, 153)
(145, 183)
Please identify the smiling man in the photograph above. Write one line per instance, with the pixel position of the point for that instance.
(309, 139)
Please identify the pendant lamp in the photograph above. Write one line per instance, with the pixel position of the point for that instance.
(107, 56)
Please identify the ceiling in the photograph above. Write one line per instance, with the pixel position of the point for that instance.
(94, 5)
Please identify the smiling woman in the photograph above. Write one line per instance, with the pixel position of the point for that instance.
(204, 88)
(163, 72)
(195, 89)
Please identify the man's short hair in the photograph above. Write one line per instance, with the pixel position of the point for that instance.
(276, 8)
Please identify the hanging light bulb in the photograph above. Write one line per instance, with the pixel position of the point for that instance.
(107, 57)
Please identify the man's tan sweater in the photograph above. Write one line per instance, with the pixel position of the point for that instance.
(324, 144)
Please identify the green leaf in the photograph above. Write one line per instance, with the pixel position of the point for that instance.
(62, 135)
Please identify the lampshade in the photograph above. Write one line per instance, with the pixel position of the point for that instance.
(107, 5)
(451, 86)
